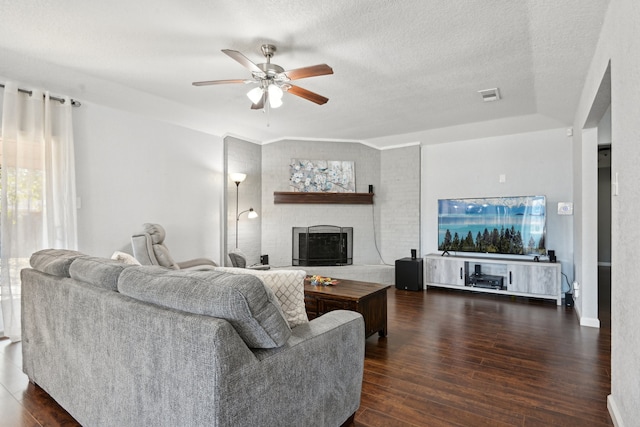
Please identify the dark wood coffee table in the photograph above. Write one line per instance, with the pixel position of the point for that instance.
(368, 299)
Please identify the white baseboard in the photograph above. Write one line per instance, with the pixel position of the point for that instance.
(590, 322)
(585, 321)
(614, 412)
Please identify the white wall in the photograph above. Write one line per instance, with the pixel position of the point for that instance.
(535, 163)
(244, 157)
(586, 229)
(278, 219)
(619, 45)
(132, 169)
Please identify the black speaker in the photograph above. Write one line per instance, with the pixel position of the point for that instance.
(264, 259)
(568, 299)
(370, 188)
(409, 274)
(478, 270)
(552, 255)
(414, 253)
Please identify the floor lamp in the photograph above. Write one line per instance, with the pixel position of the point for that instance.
(238, 178)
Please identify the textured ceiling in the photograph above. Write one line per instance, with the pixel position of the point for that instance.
(400, 67)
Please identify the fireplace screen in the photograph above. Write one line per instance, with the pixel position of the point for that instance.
(322, 245)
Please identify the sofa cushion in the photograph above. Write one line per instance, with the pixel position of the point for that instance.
(244, 301)
(287, 285)
(101, 272)
(54, 261)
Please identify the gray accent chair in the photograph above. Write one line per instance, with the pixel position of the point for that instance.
(149, 249)
(239, 260)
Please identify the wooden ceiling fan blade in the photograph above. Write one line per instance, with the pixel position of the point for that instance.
(307, 94)
(220, 82)
(304, 72)
(243, 60)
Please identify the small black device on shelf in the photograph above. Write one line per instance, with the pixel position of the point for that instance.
(487, 281)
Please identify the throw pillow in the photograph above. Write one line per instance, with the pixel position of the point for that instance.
(124, 258)
(287, 285)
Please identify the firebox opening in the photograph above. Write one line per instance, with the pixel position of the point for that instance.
(322, 245)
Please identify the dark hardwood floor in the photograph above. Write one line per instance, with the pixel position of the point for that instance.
(451, 358)
(454, 358)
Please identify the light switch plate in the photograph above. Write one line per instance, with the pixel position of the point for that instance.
(565, 208)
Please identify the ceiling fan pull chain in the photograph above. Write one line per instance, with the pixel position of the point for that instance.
(268, 108)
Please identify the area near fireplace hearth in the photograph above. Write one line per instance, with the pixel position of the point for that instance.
(372, 225)
(388, 227)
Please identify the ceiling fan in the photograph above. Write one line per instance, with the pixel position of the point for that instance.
(272, 79)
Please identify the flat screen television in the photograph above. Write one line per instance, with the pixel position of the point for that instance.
(493, 225)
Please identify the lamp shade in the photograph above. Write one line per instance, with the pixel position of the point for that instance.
(275, 96)
(237, 177)
(252, 214)
(255, 94)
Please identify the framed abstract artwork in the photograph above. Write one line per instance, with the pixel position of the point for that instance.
(322, 176)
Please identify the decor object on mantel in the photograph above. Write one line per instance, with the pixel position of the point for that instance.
(238, 178)
(325, 176)
(273, 80)
(322, 198)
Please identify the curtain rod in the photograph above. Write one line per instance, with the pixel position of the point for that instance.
(74, 103)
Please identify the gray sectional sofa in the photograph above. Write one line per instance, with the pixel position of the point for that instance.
(122, 345)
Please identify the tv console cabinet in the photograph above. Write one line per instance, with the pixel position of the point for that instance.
(507, 276)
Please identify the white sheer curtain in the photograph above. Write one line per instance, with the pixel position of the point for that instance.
(37, 189)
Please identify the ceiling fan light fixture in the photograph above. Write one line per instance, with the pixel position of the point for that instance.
(275, 96)
(272, 79)
(275, 91)
(275, 102)
(255, 94)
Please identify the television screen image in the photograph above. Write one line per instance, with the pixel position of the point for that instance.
(497, 225)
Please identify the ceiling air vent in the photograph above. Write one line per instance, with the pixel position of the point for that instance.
(489, 95)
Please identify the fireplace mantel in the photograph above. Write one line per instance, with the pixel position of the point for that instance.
(326, 198)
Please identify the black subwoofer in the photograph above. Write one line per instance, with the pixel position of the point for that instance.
(409, 274)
